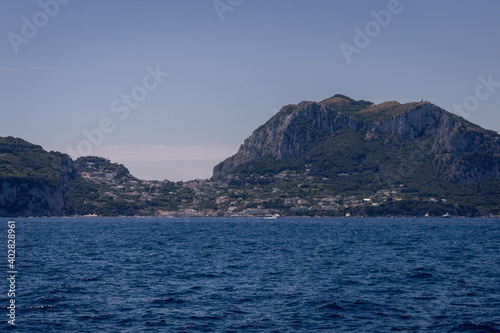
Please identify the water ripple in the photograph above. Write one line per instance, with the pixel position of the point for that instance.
(233, 275)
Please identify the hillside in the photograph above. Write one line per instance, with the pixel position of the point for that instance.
(108, 189)
(32, 180)
(340, 133)
(352, 147)
(325, 158)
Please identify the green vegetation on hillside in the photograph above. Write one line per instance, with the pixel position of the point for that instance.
(23, 162)
(339, 156)
(108, 189)
(100, 164)
(347, 165)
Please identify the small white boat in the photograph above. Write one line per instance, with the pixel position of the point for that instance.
(446, 216)
(275, 216)
(426, 215)
(348, 215)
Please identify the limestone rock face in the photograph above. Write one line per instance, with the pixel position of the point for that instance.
(287, 133)
(462, 152)
(32, 181)
(23, 199)
(418, 121)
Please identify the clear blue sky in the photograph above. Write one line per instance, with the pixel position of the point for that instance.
(227, 77)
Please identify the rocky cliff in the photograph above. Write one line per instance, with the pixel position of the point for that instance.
(32, 181)
(460, 151)
(289, 131)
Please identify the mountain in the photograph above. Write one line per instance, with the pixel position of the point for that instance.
(325, 158)
(32, 181)
(359, 147)
(94, 191)
(292, 130)
(99, 167)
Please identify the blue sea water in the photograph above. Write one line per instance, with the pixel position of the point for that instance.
(254, 275)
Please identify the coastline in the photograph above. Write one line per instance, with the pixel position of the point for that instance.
(249, 217)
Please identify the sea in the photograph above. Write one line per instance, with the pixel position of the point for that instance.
(252, 275)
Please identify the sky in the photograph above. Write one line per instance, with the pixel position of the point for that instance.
(171, 88)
